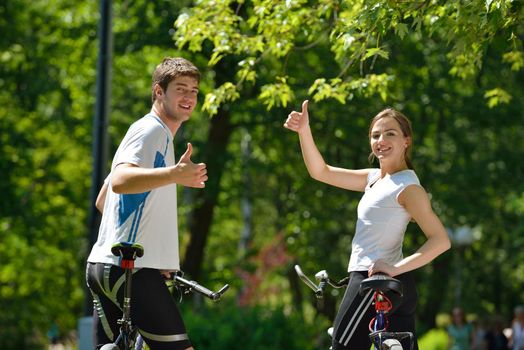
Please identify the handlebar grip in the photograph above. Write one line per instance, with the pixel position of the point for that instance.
(201, 289)
(308, 282)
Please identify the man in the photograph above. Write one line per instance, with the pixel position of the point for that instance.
(139, 205)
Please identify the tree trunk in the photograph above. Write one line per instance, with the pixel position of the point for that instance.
(438, 285)
(202, 215)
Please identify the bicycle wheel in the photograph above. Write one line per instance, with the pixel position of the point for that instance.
(110, 347)
(391, 344)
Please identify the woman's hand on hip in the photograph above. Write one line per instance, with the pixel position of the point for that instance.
(382, 267)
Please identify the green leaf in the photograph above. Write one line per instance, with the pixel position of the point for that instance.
(278, 94)
(227, 92)
(375, 51)
(497, 96)
(515, 58)
(401, 29)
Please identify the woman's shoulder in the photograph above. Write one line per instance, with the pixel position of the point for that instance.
(373, 175)
(407, 177)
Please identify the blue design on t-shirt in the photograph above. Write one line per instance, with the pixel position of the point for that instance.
(134, 203)
(128, 204)
(160, 161)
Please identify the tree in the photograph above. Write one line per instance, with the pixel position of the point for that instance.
(44, 128)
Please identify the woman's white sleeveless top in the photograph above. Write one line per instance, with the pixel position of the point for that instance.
(382, 221)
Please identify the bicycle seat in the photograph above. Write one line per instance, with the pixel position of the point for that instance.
(127, 250)
(381, 282)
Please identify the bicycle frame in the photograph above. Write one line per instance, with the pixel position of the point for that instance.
(378, 325)
(128, 252)
(127, 331)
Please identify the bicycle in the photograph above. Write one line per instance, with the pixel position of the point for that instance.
(380, 283)
(129, 338)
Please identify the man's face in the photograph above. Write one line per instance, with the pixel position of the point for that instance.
(180, 98)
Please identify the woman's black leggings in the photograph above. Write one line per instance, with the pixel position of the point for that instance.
(153, 309)
(351, 326)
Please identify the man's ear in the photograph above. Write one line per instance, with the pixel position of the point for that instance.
(158, 90)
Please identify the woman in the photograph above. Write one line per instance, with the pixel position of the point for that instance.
(460, 332)
(392, 197)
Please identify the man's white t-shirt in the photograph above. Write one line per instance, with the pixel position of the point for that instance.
(382, 221)
(148, 218)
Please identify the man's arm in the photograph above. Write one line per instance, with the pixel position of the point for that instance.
(129, 178)
(101, 198)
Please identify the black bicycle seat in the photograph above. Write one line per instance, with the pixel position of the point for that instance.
(381, 282)
(127, 250)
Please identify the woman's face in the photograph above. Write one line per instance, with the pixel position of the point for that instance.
(388, 143)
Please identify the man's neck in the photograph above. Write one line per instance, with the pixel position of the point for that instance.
(171, 124)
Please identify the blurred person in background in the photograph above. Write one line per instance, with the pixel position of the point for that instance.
(495, 338)
(479, 334)
(460, 332)
(517, 327)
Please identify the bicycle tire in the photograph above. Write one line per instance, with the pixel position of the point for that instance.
(391, 344)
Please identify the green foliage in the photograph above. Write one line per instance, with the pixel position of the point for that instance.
(230, 327)
(435, 339)
(497, 96)
(276, 95)
(516, 58)
(439, 62)
(225, 92)
(44, 140)
(340, 90)
(454, 67)
(264, 30)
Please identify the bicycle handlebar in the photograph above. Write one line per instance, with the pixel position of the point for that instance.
(323, 278)
(194, 286)
(307, 281)
(129, 251)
